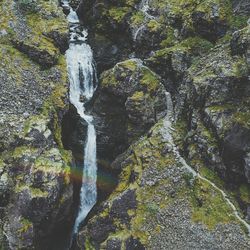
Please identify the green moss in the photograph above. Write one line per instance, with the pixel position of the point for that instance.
(197, 45)
(242, 118)
(188, 177)
(107, 78)
(209, 206)
(193, 46)
(7, 17)
(35, 192)
(245, 193)
(212, 176)
(170, 40)
(220, 108)
(149, 80)
(238, 21)
(180, 132)
(118, 14)
(26, 225)
(154, 26)
(137, 18)
(152, 208)
(21, 151)
(2, 164)
(224, 8)
(88, 245)
(241, 68)
(128, 64)
(138, 95)
(208, 135)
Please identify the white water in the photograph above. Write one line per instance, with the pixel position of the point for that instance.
(82, 76)
(166, 133)
(144, 8)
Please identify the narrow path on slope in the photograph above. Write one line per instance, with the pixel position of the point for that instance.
(166, 133)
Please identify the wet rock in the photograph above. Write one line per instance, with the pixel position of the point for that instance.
(74, 3)
(106, 52)
(20, 233)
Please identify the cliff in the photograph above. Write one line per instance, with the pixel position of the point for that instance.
(198, 51)
(171, 114)
(35, 187)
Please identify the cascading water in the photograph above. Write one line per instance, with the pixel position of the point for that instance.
(83, 82)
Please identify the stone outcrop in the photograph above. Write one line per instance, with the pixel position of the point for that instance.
(200, 53)
(35, 187)
(131, 98)
(173, 95)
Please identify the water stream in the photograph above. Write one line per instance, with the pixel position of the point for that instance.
(144, 8)
(83, 82)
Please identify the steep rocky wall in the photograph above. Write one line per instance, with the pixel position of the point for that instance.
(35, 187)
(147, 52)
(199, 51)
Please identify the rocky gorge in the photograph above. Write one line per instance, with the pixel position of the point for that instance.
(171, 114)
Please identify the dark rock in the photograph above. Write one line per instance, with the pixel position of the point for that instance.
(43, 57)
(122, 204)
(130, 100)
(114, 244)
(240, 41)
(111, 125)
(74, 3)
(211, 27)
(74, 133)
(247, 166)
(106, 52)
(235, 145)
(134, 244)
(241, 7)
(100, 229)
(35, 188)
(60, 40)
(120, 161)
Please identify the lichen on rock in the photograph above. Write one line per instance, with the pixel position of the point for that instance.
(35, 167)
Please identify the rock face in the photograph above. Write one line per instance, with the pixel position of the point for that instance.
(35, 187)
(199, 52)
(131, 98)
(173, 98)
(157, 205)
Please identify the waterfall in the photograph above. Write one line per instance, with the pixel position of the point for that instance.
(82, 76)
